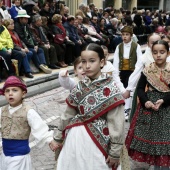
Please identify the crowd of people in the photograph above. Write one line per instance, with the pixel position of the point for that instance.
(49, 38)
(90, 133)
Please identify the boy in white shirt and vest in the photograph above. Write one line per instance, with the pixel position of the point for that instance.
(127, 54)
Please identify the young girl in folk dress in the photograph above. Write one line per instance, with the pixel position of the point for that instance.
(148, 139)
(17, 121)
(93, 123)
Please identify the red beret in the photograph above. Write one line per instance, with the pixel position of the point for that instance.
(13, 81)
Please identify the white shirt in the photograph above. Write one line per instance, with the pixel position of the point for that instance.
(66, 81)
(108, 67)
(5, 14)
(127, 46)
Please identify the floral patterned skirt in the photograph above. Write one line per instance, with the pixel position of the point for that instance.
(148, 139)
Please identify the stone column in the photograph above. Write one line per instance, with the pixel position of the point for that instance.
(161, 4)
(133, 4)
(73, 7)
(117, 4)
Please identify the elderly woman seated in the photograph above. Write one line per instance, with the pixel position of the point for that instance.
(20, 49)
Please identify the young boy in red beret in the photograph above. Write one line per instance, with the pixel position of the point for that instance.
(17, 121)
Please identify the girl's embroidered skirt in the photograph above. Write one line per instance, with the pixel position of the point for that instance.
(148, 139)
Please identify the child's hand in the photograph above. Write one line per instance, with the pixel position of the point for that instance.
(64, 73)
(54, 145)
(158, 103)
(112, 162)
(126, 94)
(150, 105)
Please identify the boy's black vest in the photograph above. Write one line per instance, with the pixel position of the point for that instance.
(132, 56)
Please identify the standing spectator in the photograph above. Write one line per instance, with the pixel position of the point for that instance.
(148, 19)
(168, 21)
(15, 8)
(43, 42)
(27, 5)
(23, 30)
(138, 18)
(128, 19)
(46, 11)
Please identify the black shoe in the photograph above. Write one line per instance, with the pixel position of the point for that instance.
(29, 75)
(53, 66)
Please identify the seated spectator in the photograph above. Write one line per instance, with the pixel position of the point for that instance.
(58, 28)
(87, 12)
(106, 17)
(43, 42)
(91, 30)
(10, 50)
(64, 12)
(20, 47)
(59, 50)
(23, 30)
(6, 46)
(79, 13)
(15, 8)
(94, 23)
(82, 31)
(73, 35)
(96, 13)
(114, 34)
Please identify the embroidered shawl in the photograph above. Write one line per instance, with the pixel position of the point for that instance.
(93, 100)
(158, 78)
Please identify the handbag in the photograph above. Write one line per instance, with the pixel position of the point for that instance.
(59, 38)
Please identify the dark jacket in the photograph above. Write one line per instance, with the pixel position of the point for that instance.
(96, 26)
(72, 31)
(27, 38)
(35, 32)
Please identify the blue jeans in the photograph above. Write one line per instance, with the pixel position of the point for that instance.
(38, 57)
(25, 62)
